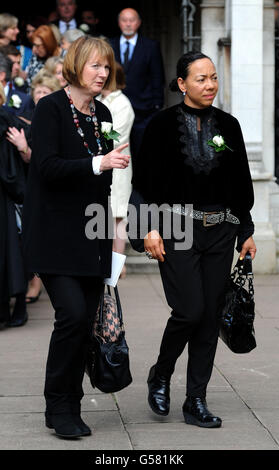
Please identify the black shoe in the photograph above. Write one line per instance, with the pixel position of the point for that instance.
(159, 392)
(64, 425)
(20, 315)
(75, 408)
(195, 412)
(18, 321)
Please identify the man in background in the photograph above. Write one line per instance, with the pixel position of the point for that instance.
(66, 10)
(143, 65)
(17, 102)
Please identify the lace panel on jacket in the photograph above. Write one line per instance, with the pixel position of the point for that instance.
(196, 132)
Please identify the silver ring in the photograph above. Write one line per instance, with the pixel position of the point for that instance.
(149, 255)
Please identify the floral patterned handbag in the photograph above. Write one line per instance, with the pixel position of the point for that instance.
(108, 364)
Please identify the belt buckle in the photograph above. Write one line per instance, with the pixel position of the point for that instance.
(205, 223)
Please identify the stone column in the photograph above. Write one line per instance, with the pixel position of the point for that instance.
(237, 35)
(249, 103)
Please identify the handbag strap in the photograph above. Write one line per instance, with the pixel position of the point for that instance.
(118, 305)
(243, 272)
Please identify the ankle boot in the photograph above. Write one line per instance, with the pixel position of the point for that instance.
(159, 392)
(75, 409)
(63, 424)
(195, 412)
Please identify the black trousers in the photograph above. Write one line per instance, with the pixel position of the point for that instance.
(194, 282)
(75, 301)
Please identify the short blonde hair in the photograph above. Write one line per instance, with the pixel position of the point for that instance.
(79, 53)
(45, 78)
(2, 95)
(51, 62)
(7, 21)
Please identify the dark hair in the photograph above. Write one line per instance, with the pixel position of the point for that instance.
(10, 49)
(6, 66)
(183, 65)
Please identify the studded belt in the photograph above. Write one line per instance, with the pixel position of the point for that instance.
(208, 218)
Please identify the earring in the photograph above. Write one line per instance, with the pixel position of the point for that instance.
(184, 93)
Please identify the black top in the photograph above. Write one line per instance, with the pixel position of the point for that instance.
(61, 185)
(177, 166)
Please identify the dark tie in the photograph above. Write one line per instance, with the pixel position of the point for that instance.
(126, 54)
(68, 26)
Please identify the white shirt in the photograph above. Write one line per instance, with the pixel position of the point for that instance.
(63, 25)
(123, 46)
(96, 162)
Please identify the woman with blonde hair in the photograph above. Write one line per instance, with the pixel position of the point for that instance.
(8, 28)
(71, 169)
(45, 45)
(54, 65)
(43, 84)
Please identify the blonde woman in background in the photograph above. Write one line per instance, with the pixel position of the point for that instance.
(8, 29)
(54, 65)
(69, 37)
(123, 118)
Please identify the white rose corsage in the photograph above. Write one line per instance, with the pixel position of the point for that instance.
(218, 142)
(108, 132)
(19, 81)
(15, 101)
(84, 27)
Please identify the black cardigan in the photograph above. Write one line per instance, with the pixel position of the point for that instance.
(61, 184)
(164, 172)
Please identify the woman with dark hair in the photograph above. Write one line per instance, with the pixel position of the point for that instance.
(70, 170)
(198, 159)
(44, 46)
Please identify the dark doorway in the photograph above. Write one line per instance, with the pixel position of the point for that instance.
(107, 11)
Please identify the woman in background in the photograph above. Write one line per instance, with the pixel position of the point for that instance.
(55, 66)
(42, 85)
(123, 118)
(44, 46)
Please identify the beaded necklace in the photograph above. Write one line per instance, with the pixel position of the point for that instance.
(79, 129)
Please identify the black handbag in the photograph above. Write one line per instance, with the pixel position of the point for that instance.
(108, 365)
(238, 314)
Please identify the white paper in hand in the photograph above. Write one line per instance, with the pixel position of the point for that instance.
(117, 264)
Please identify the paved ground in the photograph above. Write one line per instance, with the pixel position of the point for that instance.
(243, 389)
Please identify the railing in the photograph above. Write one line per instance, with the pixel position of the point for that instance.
(190, 19)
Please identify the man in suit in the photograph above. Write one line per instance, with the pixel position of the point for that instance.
(14, 54)
(142, 61)
(66, 10)
(17, 102)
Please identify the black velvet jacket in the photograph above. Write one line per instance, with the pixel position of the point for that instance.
(176, 165)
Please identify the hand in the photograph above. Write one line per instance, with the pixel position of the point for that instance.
(153, 243)
(248, 246)
(115, 159)
(17, 138)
